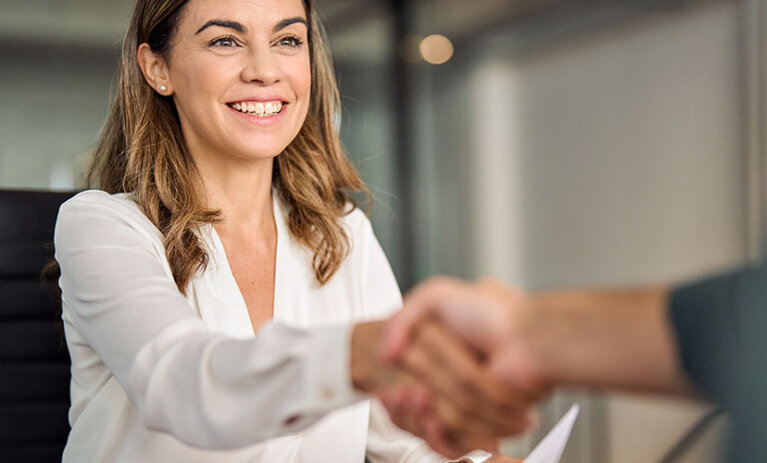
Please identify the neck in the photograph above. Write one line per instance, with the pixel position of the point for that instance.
(242, 191)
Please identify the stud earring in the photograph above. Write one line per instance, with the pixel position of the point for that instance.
(163, 88)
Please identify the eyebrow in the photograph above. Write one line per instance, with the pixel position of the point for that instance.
(240, 28)
(289, 22)
(223, 23)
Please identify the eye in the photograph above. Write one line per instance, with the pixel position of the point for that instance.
(224, 42)
(291, 41)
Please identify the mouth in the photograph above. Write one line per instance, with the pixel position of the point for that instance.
(259, 109)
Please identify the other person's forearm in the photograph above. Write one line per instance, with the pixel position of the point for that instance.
(615, 339)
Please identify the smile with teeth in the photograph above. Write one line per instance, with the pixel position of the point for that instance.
(258, 109)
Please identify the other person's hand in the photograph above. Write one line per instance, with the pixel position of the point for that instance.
(492, 320)
(469, 407)
(439, 391)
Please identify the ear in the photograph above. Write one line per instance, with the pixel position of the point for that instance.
(155, 70)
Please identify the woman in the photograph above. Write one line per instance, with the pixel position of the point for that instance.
(225, 204)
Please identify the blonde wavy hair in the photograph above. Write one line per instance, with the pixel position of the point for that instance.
(142, 152)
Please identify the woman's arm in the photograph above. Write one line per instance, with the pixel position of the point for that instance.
(206, 389)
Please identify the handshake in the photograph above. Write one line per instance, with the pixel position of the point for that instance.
(463, 364)
(452, 367)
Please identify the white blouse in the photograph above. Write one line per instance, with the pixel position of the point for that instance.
(159, 377)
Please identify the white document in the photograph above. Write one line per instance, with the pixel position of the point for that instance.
(551, 447)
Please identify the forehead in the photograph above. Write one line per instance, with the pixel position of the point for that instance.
(251, 13)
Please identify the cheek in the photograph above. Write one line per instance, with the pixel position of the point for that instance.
(195, 81)
(306, 93)
(302, 79)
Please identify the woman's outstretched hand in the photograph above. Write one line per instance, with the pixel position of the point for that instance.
(464, 345)
(465, 407)
(439, 388)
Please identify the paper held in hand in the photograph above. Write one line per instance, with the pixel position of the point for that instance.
(551, 447)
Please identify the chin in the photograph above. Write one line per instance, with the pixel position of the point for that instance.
(256, 148)
(253, 156)
(259, 154)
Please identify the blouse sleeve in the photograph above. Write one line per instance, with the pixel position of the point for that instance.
(206, 389)
(386, 442)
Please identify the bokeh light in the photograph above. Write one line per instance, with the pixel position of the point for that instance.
(436, 49)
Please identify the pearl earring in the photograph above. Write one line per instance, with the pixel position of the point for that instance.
(163, 88)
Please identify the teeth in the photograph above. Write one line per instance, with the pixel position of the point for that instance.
(259, 109)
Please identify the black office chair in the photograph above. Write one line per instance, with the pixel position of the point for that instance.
(34, 363)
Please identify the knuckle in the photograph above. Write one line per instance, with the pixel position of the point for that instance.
(450, 417)
(430, 334)
(414, 362)
(518, 426)
(463, 405)
(466, 377)
(440, 282)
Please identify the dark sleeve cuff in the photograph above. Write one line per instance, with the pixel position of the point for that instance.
(700, 313)
(719, 322)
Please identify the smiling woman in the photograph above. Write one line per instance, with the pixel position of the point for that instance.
(203, 67)
(222, 222)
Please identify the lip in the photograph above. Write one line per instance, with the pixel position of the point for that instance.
(260, 99)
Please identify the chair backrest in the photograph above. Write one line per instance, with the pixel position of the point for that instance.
(34, 363)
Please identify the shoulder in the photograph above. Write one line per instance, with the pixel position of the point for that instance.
(99, 200)
(357, 225)
(104, 211)
(364, 247)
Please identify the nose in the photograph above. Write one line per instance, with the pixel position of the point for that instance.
(261, 66)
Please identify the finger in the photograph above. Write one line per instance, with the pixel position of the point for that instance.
(436, 437)
(455, 445)
(489, 445)
(479, 313)
(444, 394)
(494, 286)
(419, 303)
(457, 424)
(408, 407)
(455, 403)
(397, 334)
(469, 383)
(403, 414)
(516, 371)
(413, 407)
(480, 319)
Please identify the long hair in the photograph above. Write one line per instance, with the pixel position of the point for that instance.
(142, 152)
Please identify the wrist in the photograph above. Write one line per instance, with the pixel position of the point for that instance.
(526, 356)
(367, 370)
(555, 322)
(362, 358)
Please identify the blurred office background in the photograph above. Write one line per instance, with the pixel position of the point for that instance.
(564, 142)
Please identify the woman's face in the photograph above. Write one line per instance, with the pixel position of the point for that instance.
(240, 73)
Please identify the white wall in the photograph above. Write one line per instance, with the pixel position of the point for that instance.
(615, 159)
